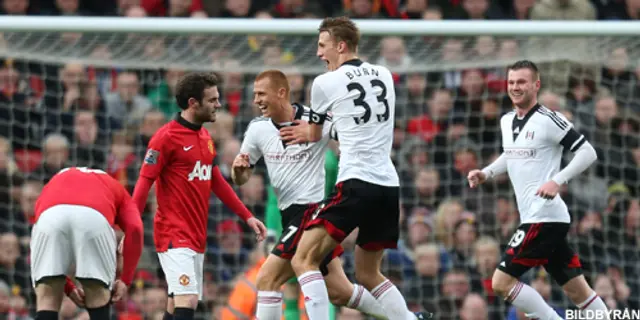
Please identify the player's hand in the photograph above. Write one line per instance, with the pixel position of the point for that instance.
(549, 190)
(476, 178)
(118, 291)
(241, 161)
(77, 296)
(258, 227)
(297, 133)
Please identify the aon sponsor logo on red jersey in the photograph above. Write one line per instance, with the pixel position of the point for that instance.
(201, 172)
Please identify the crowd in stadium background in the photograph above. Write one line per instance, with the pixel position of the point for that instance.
(447, 123)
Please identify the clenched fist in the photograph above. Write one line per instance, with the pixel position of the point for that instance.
(476, 178)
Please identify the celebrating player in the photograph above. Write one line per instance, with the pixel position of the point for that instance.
(533, 139)
(297, 175)
(74, 215)
(361, 97)
(180, 159)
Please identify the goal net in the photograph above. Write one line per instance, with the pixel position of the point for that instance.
(91, 92)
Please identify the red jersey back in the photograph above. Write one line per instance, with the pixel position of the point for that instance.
(85, 187)
(180, 160)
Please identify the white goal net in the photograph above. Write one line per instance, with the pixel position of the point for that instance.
(91, 92)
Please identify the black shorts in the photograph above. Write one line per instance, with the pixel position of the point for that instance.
(372, 208)
(293, 217)
(541, 244)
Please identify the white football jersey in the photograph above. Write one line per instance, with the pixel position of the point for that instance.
(533, 147)
(361, 98)
(297, 171)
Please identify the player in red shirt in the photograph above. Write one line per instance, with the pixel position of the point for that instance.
(74, 217)
(180, 160)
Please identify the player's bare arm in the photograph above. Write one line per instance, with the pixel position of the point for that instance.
(241, 169)
(497, 167)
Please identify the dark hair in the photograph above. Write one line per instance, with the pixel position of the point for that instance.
(525, 64)
(192, 85)
(342, 29)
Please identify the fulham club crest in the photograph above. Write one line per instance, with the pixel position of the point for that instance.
(529, 135)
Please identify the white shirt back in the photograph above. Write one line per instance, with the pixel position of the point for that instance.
(297, 171)
(533, 158)
(361, 99)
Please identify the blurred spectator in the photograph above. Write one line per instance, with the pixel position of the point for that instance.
(163, 95)
(56, 156)
(127, 105)
(474, 307)
(564, 10)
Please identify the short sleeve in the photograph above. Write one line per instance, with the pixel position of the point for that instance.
(158, 153)
(250, 145)
(561, 131)
(320, 103)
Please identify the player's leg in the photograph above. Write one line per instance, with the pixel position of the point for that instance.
(179, 267)
(51, 255)
(273, 274)
(327, 228)
(95, 249)
(277, 270)
(379, 229)
(530, 246)
(344, 293)
(565, 268)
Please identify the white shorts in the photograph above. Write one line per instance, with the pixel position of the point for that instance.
(68, 235)
(182, 269)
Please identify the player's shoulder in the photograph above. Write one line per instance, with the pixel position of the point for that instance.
(508, 116)
(549, 117)
(326, 79)
(257, 123)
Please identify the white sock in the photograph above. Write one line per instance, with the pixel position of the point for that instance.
(529, 301)
(594, 302)
(269, 305)
(393, 303)
(364, 302)
(316, 297)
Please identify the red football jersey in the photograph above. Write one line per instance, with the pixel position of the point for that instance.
(85, 187)
(180, 159)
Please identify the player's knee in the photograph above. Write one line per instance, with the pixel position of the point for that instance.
(189, 301)
(502, 283)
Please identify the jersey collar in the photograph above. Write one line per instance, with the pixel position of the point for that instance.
(299, 111)
(189, 125)
(353, 62)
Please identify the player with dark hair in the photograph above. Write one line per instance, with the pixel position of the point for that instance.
(74, 217)
(297, 175)
(180, 160)
(533, 139)
(361, 99)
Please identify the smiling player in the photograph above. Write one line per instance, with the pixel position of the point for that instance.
(533, 139)
(180, 160)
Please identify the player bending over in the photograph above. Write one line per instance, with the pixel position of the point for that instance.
(297, 175)
(180, 160)
(361, 97)
(533, 139)
(74, 215)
